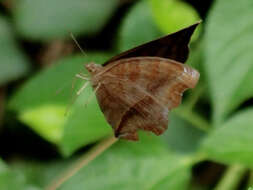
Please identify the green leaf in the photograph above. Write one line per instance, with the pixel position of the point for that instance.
(196, 57)
(41, 108)
(196, 60)
(37, 103)
(50, 19)
(140, 24)
(137, 27)
(85, 124)
(229, 59)
(47, 120)
(145, 164)
(182, 136)
(172, 15)
(13, 180)
(14, 63)
(51, 86)
(232, 142)
(41, 174)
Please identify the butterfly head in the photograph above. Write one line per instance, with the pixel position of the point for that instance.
(93, 68)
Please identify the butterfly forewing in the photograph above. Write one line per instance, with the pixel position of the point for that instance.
(173, 46)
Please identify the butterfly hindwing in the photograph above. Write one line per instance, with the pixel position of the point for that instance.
(137, 93)
(131, 109)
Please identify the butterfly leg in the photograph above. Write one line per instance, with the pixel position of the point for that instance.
(82, 88)
(91, 96)
(82, 76)
(129, 136)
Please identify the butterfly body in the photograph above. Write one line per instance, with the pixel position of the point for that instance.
(138, 92)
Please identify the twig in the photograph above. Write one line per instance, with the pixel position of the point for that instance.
(194, 96)
(193, 118)
(2, 104)
(250, 181)
(231, 178)
(83, 161)
(55, 50)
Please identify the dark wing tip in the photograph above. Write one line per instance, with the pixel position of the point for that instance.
(188, 31)
(173, 46)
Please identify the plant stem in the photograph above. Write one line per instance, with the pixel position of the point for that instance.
(231, 178)
(194, 96)
(2, 104)
(198, 157)
(192, 118)
(82, 161)
(250, 182)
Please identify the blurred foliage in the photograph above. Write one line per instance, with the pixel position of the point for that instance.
(44, 20)
(233, 145)
(213, 123)
(228, 56)
(173, 15)
(46, 111)
(129, 165)
(13, 180)
(14, 63)
(138, 16)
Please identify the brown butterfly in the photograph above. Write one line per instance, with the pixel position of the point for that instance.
(137, 88)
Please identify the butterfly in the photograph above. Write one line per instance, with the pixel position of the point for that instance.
(137, 88)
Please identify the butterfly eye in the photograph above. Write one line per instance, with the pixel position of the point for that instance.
(93, 68)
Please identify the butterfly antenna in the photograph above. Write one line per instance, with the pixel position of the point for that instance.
(77, 44)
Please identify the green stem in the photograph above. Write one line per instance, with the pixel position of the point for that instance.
(231, 178)
(192, 118)
(81, 162)
(2, 104)
(194, 96)
(250, 182)
(198, 157)
(185, 111)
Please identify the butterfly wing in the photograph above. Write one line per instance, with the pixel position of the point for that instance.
(173, 46)
(137, 93)
(128, 108)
